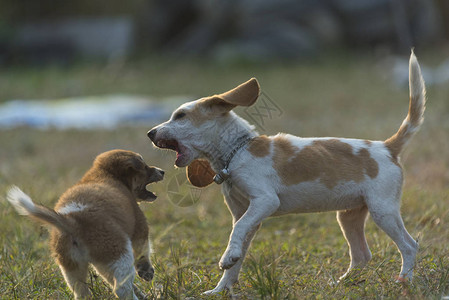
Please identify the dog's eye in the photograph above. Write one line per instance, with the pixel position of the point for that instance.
(179, 115)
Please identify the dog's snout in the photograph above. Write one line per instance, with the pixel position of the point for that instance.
(151, 134)
(160, 173)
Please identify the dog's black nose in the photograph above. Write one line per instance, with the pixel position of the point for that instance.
(162, 172)
(151, 134)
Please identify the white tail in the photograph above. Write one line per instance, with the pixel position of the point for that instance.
(25, 206)
(415, 115)
(21, 201)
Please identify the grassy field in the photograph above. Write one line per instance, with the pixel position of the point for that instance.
(292, 257)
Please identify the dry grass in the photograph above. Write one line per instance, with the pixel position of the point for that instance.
(293, 256)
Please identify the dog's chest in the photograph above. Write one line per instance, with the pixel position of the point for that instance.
(234, 195)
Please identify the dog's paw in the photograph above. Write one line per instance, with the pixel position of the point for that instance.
(230, 258)
(145, 271)
(218, 289)
(405, 278)
(146, 275)
(212, 292)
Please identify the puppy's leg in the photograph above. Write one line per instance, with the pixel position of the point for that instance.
(120, 274)
(386, 214)
(143, 264)
(352, 224)
(75, 276)
(72, 259)
(142, 248)
(259, 208)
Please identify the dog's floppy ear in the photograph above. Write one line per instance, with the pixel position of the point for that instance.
(243, 95)
(200, 173)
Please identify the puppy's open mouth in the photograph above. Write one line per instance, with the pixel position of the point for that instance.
(173, 144)
(147, 195)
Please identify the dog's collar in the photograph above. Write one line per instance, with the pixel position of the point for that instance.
(223, 175)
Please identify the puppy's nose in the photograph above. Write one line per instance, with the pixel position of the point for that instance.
(162, 172)
(151, 134)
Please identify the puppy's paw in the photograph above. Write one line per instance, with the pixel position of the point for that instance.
(145, 270)
(146, 275)
(230, 258)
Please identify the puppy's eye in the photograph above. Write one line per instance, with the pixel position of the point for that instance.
(179, 115)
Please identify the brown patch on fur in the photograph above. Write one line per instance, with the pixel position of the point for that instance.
(243, 95)
(259, 146)
(206, 109)
(396, 143)
(368, 142)
(331, 161)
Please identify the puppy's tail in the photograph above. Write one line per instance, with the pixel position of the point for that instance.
(25, 206)
(415, 115)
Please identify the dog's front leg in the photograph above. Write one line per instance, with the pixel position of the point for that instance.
(231, 276)
(259, 208)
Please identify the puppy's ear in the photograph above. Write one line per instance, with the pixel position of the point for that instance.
(133, 164)
(243, 95)
(200, 173)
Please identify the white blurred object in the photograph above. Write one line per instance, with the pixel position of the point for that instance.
(107, 112)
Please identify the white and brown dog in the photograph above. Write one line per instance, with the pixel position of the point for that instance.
(98, 221)
(267, 176)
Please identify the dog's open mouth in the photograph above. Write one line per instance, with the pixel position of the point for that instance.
(150, 196)
(173, 144)
(168, 144)
(145, 194)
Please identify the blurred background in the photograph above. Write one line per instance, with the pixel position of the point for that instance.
(152, 50)
(48, 31)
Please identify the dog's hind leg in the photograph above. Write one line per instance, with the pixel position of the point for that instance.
(120, 274)
(386, 215)
(75, 275)
(73, 262)
(352, 224)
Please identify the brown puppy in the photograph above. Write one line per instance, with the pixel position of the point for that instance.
(98, 221)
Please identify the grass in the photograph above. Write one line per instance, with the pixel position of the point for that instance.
(292, 257)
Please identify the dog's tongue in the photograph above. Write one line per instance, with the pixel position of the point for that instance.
(179, 156)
